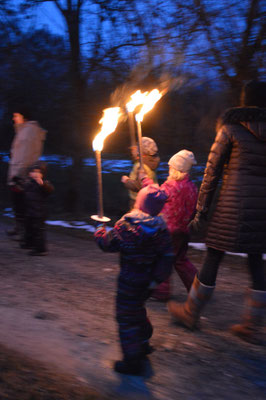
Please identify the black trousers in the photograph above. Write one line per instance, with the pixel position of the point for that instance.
(210, 268)
(35, 233)
(18, 204)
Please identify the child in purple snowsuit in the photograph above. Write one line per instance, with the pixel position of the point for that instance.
(146, 259)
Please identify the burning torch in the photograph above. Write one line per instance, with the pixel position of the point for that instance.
(109, 123)
(149, 100)
(136, 99)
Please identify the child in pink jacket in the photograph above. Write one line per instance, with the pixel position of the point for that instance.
(177, 213)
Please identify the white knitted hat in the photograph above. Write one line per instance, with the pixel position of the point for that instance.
(182, 161)
(149, 147)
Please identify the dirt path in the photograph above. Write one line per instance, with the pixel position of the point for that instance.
(58, 310)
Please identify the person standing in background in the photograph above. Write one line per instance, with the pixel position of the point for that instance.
(36, 189)
(26, 148)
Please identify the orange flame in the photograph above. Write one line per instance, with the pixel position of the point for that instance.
(149, 102)
(109, 123)
(136, 99)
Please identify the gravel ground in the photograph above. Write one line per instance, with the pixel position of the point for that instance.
(58, 337)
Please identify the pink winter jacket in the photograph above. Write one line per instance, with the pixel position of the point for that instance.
(181, 204)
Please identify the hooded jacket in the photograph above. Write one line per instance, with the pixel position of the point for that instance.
(238, 158)
(181, 204)
(145, 247)
(26, 148)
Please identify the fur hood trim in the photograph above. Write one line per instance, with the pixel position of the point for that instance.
(238, 115)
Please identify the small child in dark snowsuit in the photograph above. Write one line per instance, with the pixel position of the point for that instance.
(36, 190)
(146, 259)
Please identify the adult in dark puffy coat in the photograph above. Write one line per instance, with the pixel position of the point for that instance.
(238, 223)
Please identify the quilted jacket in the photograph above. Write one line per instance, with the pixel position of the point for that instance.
(237, 159)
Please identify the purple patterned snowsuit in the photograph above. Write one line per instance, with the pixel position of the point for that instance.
(146, 255)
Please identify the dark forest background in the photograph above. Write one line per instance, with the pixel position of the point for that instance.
(204, 49)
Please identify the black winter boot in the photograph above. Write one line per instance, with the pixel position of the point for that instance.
(25, 245)
(146, 349)
(17, 231)
(129, 366)
(12, 232)
(37, 253)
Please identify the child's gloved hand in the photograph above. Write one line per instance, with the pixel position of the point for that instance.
(99, 230)
(17, 184)
(124, 178)
(100, 226)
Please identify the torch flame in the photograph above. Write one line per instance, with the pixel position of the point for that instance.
(136, 99)
(109, 123)
(149, 102)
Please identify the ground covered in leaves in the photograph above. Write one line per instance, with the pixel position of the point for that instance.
(58, 337)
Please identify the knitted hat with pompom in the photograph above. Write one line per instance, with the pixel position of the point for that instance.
(151, 199)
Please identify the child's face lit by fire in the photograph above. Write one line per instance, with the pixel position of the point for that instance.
(37, 176)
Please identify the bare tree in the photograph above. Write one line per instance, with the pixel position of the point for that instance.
(117, 33)
(107, 39)
(229, 37)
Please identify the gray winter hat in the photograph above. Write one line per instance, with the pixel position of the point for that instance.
(149, 147)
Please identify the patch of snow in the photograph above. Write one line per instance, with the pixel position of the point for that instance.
(110, 165)
(91, 228)
(197, 246)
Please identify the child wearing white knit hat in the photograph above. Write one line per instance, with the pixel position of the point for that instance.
(178, 212)
(182, 161)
